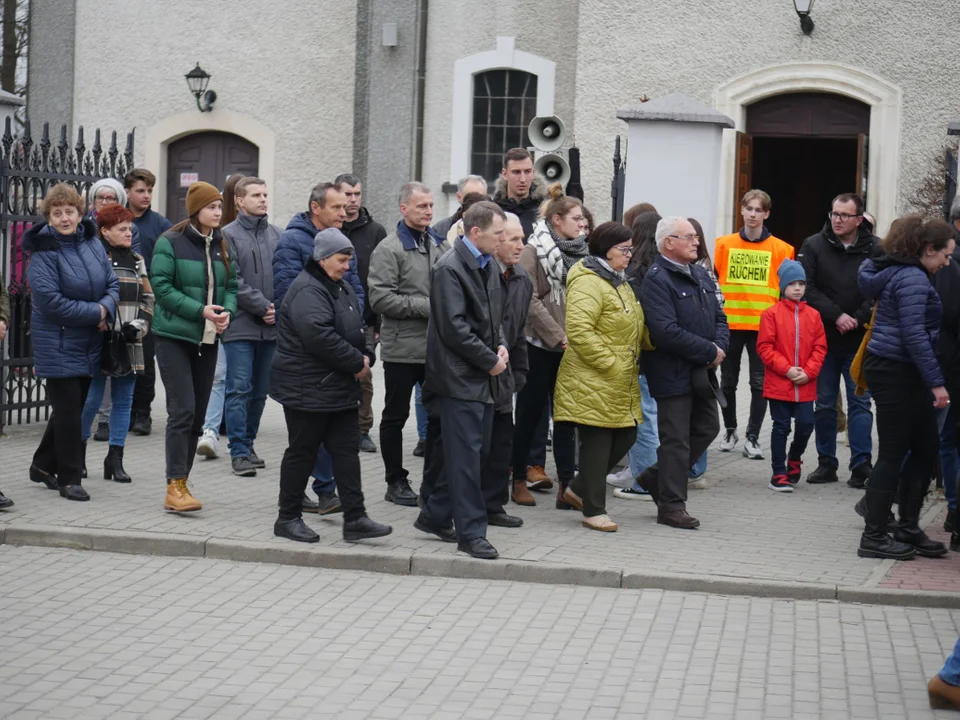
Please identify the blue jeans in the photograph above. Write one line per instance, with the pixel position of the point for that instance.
(643, 454)
(859, 418)
(949, 458)
(323, 482)
(248, 377)
(421, 412)
(951, 668)
(782, 412)
(699, 467)
(215, 404)
(121, 394)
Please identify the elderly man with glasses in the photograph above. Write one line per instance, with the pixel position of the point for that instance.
(831, 259)
(689, 330)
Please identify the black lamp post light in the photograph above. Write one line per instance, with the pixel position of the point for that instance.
(197, 81)
(804, 8)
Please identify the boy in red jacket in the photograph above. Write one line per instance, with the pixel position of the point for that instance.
(792, 345)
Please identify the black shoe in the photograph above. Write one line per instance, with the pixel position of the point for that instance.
(328, 504)
(74, 492)
(83, 462)
(950, 523)
(309, 504)
(875, 542)
(367, 445)
(822, 475)
(103, 432)
(364, 529)
(256, 461)
(478, 548)
(113, 466)
(242, 467)
(446, 534)
(295, 529)
(885, 548)
(504, 520)
(400, 493)
(5, 502)
(421, 449)
(142, 424)
(916, 538)
(861, 509)
(858, 476)
(39, 476)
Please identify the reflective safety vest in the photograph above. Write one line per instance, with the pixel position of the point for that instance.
(747, 272)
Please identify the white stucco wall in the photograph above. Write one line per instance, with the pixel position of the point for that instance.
(693, 47)
(287, 67)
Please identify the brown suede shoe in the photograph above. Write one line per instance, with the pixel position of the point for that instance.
(678, 519)
(520, 494)
(179, 498)
(537, 478)
(573, 499)
(943, 696)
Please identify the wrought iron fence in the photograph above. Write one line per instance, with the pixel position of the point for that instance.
(27, 171)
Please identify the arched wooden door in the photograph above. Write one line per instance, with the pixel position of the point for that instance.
(208, 156)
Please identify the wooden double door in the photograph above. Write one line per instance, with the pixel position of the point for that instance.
(208, 156)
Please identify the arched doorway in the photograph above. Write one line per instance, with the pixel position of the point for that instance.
(208, 156)
(807, 149)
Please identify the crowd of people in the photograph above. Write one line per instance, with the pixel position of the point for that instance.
(514, 326)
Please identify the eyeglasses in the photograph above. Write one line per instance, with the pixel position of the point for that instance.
(842, 216)
(628, 250)
(106, 198)
(685, 238)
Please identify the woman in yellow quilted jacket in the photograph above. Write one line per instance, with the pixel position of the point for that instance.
(597, 386)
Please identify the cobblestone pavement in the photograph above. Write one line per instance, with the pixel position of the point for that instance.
(747, 531)
(98, 635)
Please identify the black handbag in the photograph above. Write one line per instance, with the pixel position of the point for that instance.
(114, 359)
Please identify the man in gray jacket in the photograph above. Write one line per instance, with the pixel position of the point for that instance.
(399, 285)
(251, 339)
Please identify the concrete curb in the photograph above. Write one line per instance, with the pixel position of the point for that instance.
(456, 566)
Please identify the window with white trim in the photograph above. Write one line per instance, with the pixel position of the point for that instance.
(504, 103)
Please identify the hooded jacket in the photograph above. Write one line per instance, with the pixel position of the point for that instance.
(151, 225)
(70, 279)
(253, 241)
(907, 326)
(528, 209)
(791, 335)
(365, 234)
(294, 249)
(832, 288)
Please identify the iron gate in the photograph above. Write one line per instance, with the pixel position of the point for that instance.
(27, 171)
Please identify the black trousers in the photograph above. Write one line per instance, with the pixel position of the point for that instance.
(398, 381)
(687, 424)
(432, 458)
(906, 423)
(466, 428)
(187, 374)
(146, 388)
(60, 450)
(340, 434)
(495, 475)
(532, 406)
(600, 449)
(730, 376)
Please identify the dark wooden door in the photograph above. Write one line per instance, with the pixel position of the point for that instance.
(208, 156)
(742, 175)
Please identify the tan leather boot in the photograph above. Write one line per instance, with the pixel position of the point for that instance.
(179, 498)
(520, 494)
(537, 478)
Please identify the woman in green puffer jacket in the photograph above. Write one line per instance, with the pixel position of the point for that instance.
(195, 284)
(597, 386)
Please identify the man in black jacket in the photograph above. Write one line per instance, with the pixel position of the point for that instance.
(831, 259)
(365, 234)
(690, 332)
(465, 354)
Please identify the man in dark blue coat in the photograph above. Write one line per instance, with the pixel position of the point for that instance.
(689, 329)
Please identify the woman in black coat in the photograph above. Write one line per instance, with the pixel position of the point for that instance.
(321, 357)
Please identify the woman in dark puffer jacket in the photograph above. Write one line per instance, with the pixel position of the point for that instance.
(905, 381)
(74, 292)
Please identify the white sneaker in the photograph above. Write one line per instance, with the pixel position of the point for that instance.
(751, 449)
(729, 441)
(697, 483)
(622, 479)
(209, 445)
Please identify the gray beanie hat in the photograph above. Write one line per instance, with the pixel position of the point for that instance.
(330, 242)
(109, 184)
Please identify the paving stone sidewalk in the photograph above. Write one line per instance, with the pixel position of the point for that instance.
(748, 533)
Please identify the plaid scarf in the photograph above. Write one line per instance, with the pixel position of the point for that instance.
(556, 256)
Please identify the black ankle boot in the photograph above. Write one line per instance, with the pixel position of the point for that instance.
(113, 465)
(875, 543)
(955, 541)
(83, 465)
(908, 530)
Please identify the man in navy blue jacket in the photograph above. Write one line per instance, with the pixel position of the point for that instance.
(689, 329)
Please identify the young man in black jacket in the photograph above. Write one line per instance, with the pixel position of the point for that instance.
(831, 259)
(465, 354)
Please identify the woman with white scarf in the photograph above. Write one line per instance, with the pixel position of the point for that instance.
(556, 245)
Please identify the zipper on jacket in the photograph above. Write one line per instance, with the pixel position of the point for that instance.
(796, 349)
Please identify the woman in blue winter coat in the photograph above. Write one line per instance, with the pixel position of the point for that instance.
(906, 382)
(74, 292)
